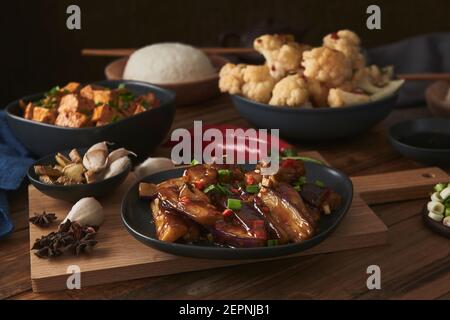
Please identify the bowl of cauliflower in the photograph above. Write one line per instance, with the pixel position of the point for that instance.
(320, 93)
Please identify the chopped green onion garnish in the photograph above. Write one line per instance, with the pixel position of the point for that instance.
(234, 204)
(306, 159)
(302, 180)
(272, 243)
(439, 187)
(254, 188)
(289, 153)
(121, 86)
(298, 188)
(209, 188)
(320, 183)
(224, 172)
(447, 212)
(195, 162)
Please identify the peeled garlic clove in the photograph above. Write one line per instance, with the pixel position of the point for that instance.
(91, 177)
(62, 160)
(446, 221)
(47, 171)
(87, 212)
(95, 160)
(99, 146)
(119, 153)
(75, 156)
(74, 172)
(153, 165)
(117, 167)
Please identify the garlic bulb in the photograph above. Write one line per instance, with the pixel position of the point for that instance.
(117, 167)
(119, 153)
(153, 165)
(95, 160)
(87, 212)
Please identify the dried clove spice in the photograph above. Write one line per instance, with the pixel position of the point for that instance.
(71, 237)
(43, 219)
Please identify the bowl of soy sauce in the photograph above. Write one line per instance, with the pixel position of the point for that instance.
(425, 140)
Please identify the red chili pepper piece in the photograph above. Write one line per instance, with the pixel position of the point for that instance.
(184, 200)
(200, 185)
(227, 212)
(334, 36)
(249, 180)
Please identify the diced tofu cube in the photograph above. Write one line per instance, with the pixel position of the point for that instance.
(72, 103)
(71, 87)
(103, 113)
(139, 108)
(28, 113)
(44, 115)
(102, 96)
(72, 120)
(87, 92)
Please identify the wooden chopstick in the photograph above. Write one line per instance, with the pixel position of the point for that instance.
(424, 76)
(125, 52)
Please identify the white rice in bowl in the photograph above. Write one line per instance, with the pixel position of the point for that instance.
(168, 63)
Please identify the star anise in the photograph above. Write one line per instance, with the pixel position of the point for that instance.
(43, 219)
(71, 237)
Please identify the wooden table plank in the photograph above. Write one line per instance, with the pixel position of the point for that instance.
(415, 264)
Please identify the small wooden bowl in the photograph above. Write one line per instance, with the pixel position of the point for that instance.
(435, 95)
(187, 93)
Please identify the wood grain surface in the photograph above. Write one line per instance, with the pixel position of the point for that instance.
(415, 263)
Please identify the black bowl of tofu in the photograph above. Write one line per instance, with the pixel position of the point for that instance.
(75, 121)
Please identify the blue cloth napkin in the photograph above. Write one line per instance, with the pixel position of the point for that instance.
(426, 53)
(14, 163)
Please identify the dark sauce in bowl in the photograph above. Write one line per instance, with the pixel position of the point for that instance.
(427, 140)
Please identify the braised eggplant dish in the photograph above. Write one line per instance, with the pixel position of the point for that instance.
(78, 106)
(226, 206)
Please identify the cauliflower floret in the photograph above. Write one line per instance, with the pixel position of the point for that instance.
(340, 98)
(282, 53)
(318, 93)
(290, 91)
(372, 78)
(258, 83)
(231, 78)
(348, 43)
(326, 65)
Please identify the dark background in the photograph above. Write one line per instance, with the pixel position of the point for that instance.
(38, 51)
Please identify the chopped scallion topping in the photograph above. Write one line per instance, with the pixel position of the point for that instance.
(320, 183)
(224, 172)
(234, 204)
(254, 188)
(195, 162)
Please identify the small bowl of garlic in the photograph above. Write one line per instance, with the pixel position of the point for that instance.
(81, 172)
(436, 213)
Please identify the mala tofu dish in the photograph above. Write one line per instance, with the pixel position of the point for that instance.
(78, 106)
(224, 205)
(296, 75)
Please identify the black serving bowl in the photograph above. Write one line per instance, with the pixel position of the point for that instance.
(416, 139)
(138, 220)
(140, 133)
(316, 123)
(73, 193)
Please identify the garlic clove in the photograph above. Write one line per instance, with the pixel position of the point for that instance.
(62, 160)
(87, 212)
(153, 165)
(99, 146)
(119, 153)
(117, 167)
(74, 172)
(95, 160)
(75, 156)
(446, 221)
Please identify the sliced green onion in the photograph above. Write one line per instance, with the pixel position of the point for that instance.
(306, 159)
(272, 243)
(195, 162)
(439, 187)
(223, 189)
(121, 86)
(320, 183)
(254, 188)
(447, 212)
(298, 188)
(224, 172)
(209, 188)
(289, 153)
(234, 204)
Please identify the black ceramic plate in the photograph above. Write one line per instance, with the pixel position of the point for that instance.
(435, 226)
(140, 133)
(318, 123)
(138, 220)
(73, 193)
(414, 139)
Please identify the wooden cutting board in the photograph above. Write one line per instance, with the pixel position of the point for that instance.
(118, 256)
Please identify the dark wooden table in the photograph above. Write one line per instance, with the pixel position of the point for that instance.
(415, 264)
